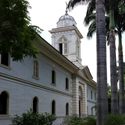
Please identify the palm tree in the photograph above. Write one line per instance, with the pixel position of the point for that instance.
(113, 75)
(102, 101)
(119, 29)
(121, 71)
(117, 70)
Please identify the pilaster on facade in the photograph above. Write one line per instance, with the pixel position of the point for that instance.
(73, 39)
(85, 100)
(75, 98)
(52, 40)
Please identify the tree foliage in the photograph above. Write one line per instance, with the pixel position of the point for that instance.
(16, 32)
(30, 118)
(90, 18)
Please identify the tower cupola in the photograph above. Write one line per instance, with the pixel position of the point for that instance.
(66, 20)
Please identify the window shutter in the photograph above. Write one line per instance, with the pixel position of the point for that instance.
(65, 48)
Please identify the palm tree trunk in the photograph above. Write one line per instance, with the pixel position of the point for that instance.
(113, 75)
(102, 100)
(121, 78)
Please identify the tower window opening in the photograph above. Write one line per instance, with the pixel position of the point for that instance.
(61, 48)
(65, 48)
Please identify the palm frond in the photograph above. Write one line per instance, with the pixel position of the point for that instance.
(88, 18)
(91, 30)
(115, 120)
(73, 3)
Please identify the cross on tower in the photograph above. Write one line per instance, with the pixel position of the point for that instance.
(66, 7)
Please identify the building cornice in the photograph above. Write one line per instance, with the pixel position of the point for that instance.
(91, 101)
(68, 28)
(31, 84)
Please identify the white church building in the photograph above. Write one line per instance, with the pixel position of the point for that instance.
(56, 82)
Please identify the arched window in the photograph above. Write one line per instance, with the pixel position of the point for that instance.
(63, 45)
(36, 69)
(35, 105)
(67, 109)
(67, 83)
(53, 107)
(53, 77)
(91, 94)
(4, 103)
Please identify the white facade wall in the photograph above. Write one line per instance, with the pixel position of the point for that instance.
(22, 93)
(91, 102)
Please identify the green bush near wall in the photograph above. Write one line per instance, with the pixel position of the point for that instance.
(30, 118)
(80, 121)
(115, 120)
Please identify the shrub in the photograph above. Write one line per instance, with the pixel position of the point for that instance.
(30, 118)
(115, 120)
(80, 121)
(90, 121)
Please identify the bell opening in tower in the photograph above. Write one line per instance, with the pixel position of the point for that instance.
(61, 48)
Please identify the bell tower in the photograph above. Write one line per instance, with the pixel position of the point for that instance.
(66, 38)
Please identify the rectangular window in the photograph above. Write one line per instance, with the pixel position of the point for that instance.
(91, 94)
(5, 59)
(65, 48)
(95, 96)
(60, 48)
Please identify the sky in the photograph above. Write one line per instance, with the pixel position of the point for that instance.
(46, 14)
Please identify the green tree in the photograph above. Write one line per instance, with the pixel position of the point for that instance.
(119, 27)
(17, 35)
(102, 100)
(113, 75)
